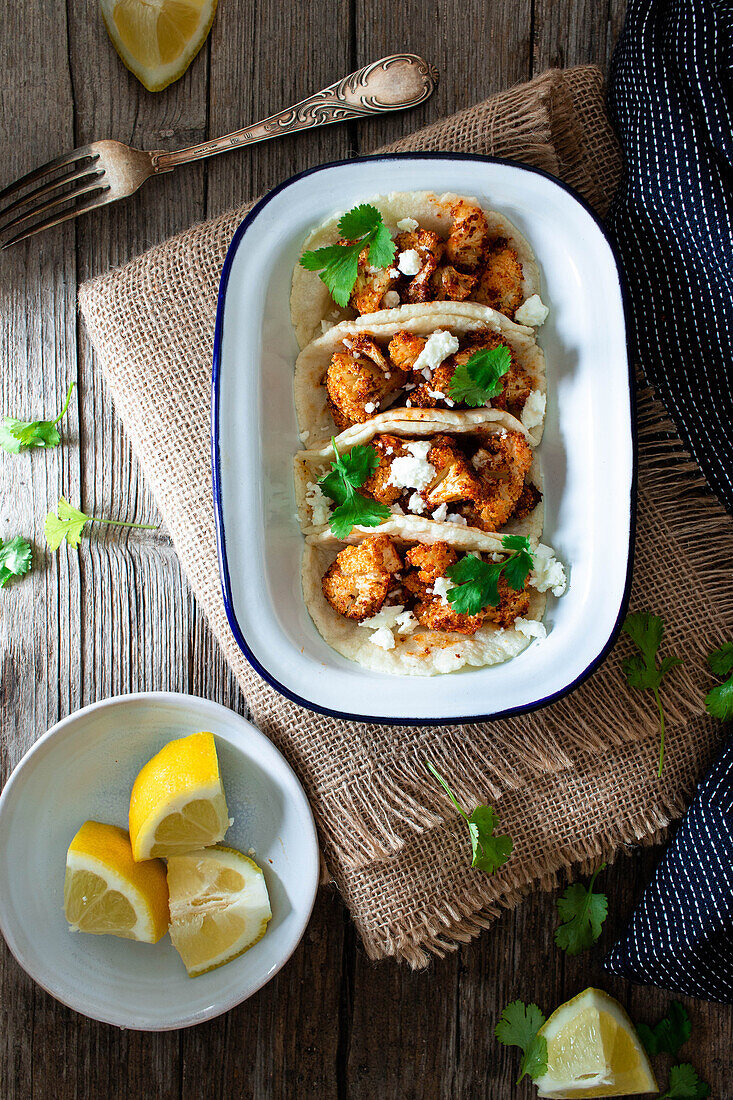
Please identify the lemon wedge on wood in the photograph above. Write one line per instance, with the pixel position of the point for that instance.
(158, 39)
(219, 906)
(177, 801)
(107, 893)
(593, 1050)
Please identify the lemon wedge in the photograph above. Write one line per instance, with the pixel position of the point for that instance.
(593, 1050)
(177, 801)
(158, 39)
(107, 893)
(219, 906)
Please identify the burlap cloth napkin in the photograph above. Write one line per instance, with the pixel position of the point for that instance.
(571, 782)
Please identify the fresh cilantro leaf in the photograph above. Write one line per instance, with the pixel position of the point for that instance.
(684, 1083)
(582, 913)
(357, 512)
(69, 523)
(338, 264)
(356, 465)
(719, 700)
(490, 851)
(671, 1033)
(477, 582)
(642, 673)
(347, 473)
(477, 381)
(721, 660)
(15, 559)
(518, 1027)
(15, 434)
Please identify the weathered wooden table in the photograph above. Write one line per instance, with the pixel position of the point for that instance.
(116, 616)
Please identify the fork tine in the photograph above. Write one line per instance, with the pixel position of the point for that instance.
(47, 188)
(90, 205)
(14, 222)
(37, 173)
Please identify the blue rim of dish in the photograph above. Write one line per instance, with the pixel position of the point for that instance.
(509, 712)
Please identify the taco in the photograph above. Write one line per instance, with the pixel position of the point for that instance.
(448, 248)
(473, 470)
(360, 368)
(383, 602)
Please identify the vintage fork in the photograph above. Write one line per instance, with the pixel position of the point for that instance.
(106, 171)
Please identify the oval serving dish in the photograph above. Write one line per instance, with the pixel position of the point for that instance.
(587, 452)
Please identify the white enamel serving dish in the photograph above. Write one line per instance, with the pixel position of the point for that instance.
(84, 768)
(587, 452)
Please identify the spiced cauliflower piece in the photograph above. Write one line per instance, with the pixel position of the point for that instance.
(430, 561)
(455, 479)
(358, 581)
(429, 248)
(502, 464)
(360, 381)
(372, 283)
(450, 285)
(500, 279)
(378, 485)
(512, 605)
(404, 349)
(469, 236)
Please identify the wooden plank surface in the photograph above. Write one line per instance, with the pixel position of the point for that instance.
(117, 616)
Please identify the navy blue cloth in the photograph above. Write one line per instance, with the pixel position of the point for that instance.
(681, 934)
(671, 101)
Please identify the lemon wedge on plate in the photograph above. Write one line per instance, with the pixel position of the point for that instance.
(158, 39)
(177, 801)
(593, 1050)
(107, 893)
(219, 906)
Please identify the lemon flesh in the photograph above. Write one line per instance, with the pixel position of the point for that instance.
(177, 801)
(593, 1050)
(219, 906)
(107, 893)
(158, 39)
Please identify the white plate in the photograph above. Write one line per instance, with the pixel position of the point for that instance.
(587, 451)
(84, 767)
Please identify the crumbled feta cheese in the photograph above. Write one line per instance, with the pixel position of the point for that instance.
(303, 436)
(389, 450)
(319, 504)
(406, 623)
(408, 403)
(441, 588)
(388, 617)
(533, 412)
(388, 374)
(532, 312)
(409, 262)
(497, 557)
(383, 637)
(530, 628)
(454, 517)
(371, 406)
(409, 387)
(449, 403)
(412, 471)
(438, 347)
(436, 395)
(440, 513)
(416, 504)
(479, 460)
(391, 299)
(326, 325)
(396, 510)
(407, 225)
(372, 270)
(393, 273)
(548, 572)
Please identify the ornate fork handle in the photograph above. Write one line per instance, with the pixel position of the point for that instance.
(390, 84)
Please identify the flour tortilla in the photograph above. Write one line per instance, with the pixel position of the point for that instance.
(460, 318)
(311, 302)
(310, 465)
(422, 653)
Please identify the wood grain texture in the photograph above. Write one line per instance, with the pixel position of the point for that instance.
(117, 616)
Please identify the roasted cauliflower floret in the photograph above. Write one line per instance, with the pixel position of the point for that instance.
(449, 285)
(469, 236)
(529, 498)
(512, 605)
(502, 464)
(455, 479)
(500, 279)
(404, 348)
(431, 560)
(429, 248)
(372, 283)
(357, 583)
(360, 381)
(437, 614)
(388, 447)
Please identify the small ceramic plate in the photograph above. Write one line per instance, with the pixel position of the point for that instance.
(587, 452)
(84, 767)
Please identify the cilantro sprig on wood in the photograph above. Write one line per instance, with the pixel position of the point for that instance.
(642, 671)
(477, 582)
(15, 559)
(69, 523)
(518, 1027)
(490, 850)
(667, 1036)
(684, 1084)
(719, 700)
(18, 434)
(348, 472)
(475, 382)
(582, 912)
(338, 264)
